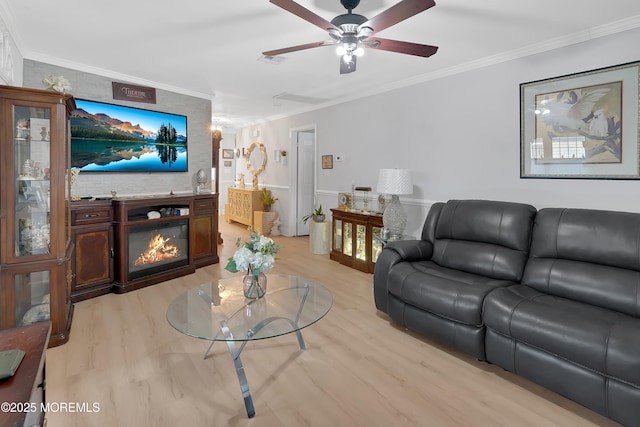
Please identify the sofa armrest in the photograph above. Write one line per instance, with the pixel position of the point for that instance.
(411, 250)
(393, 253)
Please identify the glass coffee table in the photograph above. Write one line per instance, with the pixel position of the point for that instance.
(220, 312)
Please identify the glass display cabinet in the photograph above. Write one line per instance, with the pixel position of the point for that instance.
(353, 241)
(35, 245)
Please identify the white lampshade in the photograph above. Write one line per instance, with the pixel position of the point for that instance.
(395, 181)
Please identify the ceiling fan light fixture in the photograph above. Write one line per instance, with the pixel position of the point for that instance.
(364, 32)
(350, 32)
(347, 58)
(346, 47)
(335, 34)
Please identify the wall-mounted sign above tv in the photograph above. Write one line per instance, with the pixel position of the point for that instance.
(114, 138)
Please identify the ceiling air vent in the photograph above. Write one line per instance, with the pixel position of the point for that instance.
(300, 98)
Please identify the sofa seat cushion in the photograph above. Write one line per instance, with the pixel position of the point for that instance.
(599, 339)
(448, 293)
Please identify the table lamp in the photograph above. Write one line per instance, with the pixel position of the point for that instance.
(394, 182)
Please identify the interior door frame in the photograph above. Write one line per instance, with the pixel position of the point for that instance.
(293, 170)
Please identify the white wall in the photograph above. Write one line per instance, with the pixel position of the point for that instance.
(10, 58)
(460, 136)
(98, 88)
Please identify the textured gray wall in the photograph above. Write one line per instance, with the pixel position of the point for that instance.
(98, 88)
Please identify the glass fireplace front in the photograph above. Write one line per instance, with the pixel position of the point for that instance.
(157, 247)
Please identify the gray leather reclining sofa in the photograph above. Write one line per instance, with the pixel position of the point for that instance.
(551, 295)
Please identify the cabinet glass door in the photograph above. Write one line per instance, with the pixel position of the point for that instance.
(376, 245)
(337, 238)
(32, 163)
(32, 298)
(361, 242)
(348, 239)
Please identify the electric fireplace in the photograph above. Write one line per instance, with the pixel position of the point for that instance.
(157, 246)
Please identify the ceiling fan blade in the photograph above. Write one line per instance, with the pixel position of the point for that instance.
(296, 48)
(397, 13)
(409, 48)
(348, 67)
(306, 14)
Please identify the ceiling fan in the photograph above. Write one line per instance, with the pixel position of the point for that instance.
(351, 32)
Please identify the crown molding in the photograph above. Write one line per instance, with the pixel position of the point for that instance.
(34, 56)
(622, 25)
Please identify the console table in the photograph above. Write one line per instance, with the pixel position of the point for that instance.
(242, 203)
(100, 230)
(353, 239)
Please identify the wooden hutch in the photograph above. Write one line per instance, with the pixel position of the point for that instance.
(35, 215)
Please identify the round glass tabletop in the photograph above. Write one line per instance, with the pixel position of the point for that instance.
(291, 303)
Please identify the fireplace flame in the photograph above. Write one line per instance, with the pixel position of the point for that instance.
(157, 250)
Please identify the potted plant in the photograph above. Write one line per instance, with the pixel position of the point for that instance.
(317, 215)
(267, 199)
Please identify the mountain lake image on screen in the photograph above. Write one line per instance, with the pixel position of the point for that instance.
(115, 138)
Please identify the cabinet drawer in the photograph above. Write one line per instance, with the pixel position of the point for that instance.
(204, 205)
(89, 216)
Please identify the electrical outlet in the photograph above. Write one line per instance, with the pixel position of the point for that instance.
(339, 157)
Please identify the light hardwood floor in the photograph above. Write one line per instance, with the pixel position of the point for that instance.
(359, 369)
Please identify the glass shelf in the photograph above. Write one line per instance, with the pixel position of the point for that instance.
(32, 166)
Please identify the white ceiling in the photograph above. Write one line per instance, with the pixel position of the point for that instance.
(211, 48)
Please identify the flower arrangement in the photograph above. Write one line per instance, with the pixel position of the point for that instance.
(255, 256)
(57, 83)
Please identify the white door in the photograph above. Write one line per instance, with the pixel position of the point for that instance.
(305, 196)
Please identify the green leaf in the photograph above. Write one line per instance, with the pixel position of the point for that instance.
(231, 266)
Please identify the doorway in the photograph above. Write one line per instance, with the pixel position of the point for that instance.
(304, 142)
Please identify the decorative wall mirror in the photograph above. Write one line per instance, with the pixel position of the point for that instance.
(256, 158)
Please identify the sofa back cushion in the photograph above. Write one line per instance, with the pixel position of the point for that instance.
(592, 256)
(489, 238)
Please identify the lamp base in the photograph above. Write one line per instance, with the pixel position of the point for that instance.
(394, 218)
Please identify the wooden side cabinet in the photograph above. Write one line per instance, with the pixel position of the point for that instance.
(243, 202)
(92, 232)
(205, 223)
(27, 386)
(352, 239)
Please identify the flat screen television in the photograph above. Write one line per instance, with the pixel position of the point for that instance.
(114, 138)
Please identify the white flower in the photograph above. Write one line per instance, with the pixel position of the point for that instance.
(57, 83)
(243, 257)
(258, 254)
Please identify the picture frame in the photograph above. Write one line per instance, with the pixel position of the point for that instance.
(582, 125)
(228, 153)
(327, 161)
(227, 163)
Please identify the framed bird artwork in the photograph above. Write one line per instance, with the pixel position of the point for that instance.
(582, 125)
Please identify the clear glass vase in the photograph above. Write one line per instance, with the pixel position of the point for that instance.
(254, 285)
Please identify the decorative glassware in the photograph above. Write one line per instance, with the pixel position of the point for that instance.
(254, 286)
